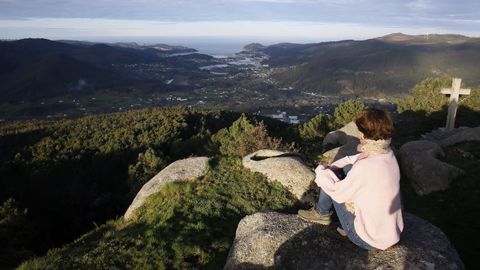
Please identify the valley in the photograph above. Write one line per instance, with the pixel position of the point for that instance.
(49, 79)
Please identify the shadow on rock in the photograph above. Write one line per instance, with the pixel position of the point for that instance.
(320, 247)
(271, 240)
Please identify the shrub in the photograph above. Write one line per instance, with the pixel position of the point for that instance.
(315, 128)
(146, 166)
(426, 109)
(183, 226)
(15, 233)
(243, 138)
(347, 111)
(426, 96)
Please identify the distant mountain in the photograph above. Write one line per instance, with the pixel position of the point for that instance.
(36, 68)
(31, 69)
(426, 39)
(388, 64)
(52, 75)
(161, 48)
(105, 54)
(253, 47)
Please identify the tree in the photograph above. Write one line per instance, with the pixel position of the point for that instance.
(428, 106)
(147, 165)
(347, 111)
(15, 234)
(243, 138)
(426, 96)
(315, 128)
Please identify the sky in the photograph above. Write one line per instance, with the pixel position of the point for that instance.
(255, 20)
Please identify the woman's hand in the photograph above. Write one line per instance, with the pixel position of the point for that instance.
(321, 167)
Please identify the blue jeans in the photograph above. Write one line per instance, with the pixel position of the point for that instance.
(346, 218)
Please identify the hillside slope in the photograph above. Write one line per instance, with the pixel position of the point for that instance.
(33, 69)
(389, 64)
(75, 174)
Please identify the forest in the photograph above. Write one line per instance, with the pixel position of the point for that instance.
(66, 183)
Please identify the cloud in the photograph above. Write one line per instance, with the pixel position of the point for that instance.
(290, 31)
(376, 13)
(332, 2)
(419, 5)
(447, 19)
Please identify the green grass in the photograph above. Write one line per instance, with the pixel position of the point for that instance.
(192, 225)
(183, 226)
(456, 210)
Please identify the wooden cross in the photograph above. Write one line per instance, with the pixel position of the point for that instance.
(454, 93)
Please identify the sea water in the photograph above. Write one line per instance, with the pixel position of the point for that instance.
(210, 46)
(218, 47)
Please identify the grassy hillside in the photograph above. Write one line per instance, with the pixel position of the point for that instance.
(184, 226)
(192, 226)
(385, 65)
(37, 69)
(62, 179)
(31, 69)
(72, 174)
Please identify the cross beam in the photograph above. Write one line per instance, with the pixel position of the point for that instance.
(454, 93)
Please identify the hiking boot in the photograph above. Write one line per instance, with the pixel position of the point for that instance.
(313, 216)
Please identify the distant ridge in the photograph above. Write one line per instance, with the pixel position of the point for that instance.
(396, 37)
(164, 48)
(385, 65)
(253, 47)
(426, 38)
(32, 69)
(391, 64)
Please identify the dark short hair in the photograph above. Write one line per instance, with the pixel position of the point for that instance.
(375, 124)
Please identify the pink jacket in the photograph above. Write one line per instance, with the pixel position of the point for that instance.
(373, 185)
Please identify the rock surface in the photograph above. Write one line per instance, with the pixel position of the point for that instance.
(442, 133)
(270, 240)
(178, 171)
(466, 134)
(340, 152)
(286, 168)
(418, 160)
(344, 135)
(348, 139)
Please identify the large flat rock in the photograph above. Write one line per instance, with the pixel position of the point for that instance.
(270, 240)
(286, 168)
(419, 162)
(465, 135)
(179, 171)
(337, 153)
(346, 134)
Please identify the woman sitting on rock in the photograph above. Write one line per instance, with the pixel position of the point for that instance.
(367, 201)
